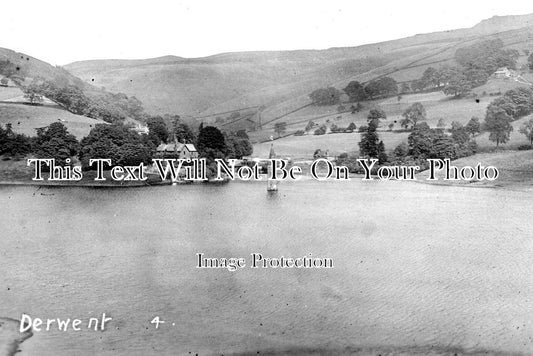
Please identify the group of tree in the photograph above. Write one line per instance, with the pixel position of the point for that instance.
(370, 145)
(476, 63)
(120, 144)
(13, 144)
(53, 141)
(424, 142)
(105, 106)
(382, 87)
(337, 129)
(325, 96)
(501, 112)
(117, 142)
(413, 114)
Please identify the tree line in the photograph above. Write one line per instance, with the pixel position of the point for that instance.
(119, 143)
(109, 107)
(474, 65)
(356, 91)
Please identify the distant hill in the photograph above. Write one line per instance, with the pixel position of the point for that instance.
(282, 80)
(28, 68)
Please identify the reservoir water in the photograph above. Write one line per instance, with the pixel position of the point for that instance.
(418, 269)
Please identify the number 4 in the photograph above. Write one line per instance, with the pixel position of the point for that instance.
(156, 321)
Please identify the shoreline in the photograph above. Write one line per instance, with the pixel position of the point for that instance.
(514, 186)
(10, 337)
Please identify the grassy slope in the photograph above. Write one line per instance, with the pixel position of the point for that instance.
(282, 80)
(26, 118)
(30, 67)
(515, 168)
(437, 106)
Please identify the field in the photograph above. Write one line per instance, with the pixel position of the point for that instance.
(335, 144)
(8, 93)
(437, 106)
(26, 118)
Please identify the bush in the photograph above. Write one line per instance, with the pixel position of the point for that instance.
(321, 130)
(299, 133)
(362, 128)
(525, 147)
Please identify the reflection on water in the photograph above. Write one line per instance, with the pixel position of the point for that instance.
(417, 268)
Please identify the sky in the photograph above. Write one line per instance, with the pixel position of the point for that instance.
(61, 32)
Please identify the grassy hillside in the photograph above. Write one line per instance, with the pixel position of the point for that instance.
(26, 118)
(281, 81)
(28, 68)
(437, 106)
(515, 168)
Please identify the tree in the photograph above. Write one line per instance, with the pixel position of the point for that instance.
(309, 126)
(280, 128)
(459, 133)
(375, 115)
(13, 144)
(420, 141)
(55, 142)
(413, 114)
(527, 130)
(242, 134)
(498, 124)
(441, 123)
(116, 142)
(530, 61)
(238, 146)
(418, 85)
(430, 78)
(405, 88)
(211, 143)
(487, 56)
(370, 145)
(351, 127)
(321, 130)
(473, 127)
(325, 96)
(4, 82)
(133, 153)
(457, 85)
(319, 154)
(385, 86)
(401, 150)
(157, 129)
(32, 93)
(355, 91)
(181, 131)
(516, 102)
(442, 147)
